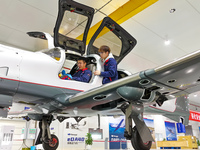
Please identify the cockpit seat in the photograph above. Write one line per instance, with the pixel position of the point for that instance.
(91, 67)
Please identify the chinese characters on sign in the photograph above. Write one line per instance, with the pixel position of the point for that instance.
(194, 116)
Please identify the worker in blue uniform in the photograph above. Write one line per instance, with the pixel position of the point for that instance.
(83, 74)
(110, 65)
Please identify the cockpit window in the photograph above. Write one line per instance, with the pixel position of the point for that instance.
(53, 53)
(106, 37)
(73, 24)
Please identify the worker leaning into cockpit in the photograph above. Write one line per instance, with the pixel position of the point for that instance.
(110, 65)
(83, 74)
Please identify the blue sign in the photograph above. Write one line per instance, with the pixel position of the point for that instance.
(116, 133)
(170, 131)
(149, 122)
(180, 128)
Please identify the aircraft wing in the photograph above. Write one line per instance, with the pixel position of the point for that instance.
(175, 79)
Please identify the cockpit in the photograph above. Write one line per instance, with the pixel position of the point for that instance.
(71, 66)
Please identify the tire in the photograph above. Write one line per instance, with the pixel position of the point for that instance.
(51, 144)
(137, 142)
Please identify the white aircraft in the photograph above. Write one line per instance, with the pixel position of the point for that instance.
(32, 78)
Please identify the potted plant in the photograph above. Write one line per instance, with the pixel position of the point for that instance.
(88, 141)
(198, 144)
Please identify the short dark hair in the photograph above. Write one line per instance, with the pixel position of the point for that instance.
(83, 59)
(104, 48)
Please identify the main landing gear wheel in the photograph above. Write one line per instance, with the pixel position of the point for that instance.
(51, 144)
(137, 142)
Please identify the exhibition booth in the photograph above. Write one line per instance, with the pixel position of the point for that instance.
(107, 133)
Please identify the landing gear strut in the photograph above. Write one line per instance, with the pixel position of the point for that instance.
(48, 140)
(139, 135)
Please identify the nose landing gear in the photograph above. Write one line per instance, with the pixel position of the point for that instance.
(51, 144)
(48, 140)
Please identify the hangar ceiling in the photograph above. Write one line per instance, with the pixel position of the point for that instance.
(174, 20)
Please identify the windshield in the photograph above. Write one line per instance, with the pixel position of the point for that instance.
(73, 24)
(53, 53)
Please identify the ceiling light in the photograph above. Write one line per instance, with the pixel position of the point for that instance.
(167, 42)
(172, 10)
(195, 95)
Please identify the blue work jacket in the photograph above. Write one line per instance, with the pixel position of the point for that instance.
(83, 75)
(110, 71)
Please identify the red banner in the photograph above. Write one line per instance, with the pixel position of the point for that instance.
(194, 116)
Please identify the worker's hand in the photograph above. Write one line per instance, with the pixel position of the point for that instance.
(97, 72)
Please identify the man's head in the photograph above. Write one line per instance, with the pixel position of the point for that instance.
(104, 51)
(81, 63)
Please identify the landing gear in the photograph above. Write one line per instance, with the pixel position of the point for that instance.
(48, 140)
(137, 142)
(51, 144)
(140, 135)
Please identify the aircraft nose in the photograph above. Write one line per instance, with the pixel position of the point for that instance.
(130, 93)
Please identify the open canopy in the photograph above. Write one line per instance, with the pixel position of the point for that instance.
(113, 35)
(73, 19)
